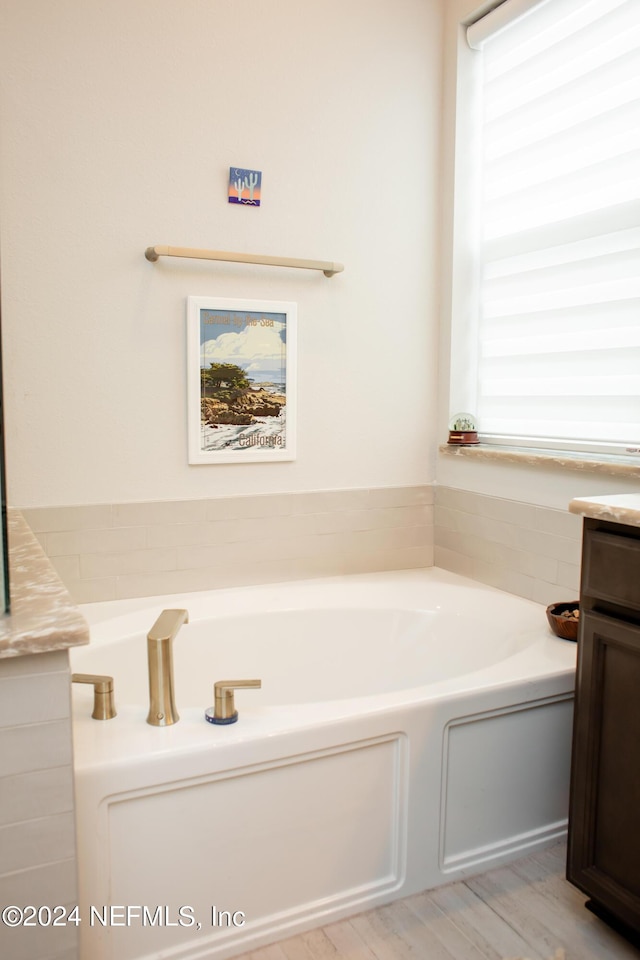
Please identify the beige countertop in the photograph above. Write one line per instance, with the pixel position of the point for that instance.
(618, 508)
(43, 616)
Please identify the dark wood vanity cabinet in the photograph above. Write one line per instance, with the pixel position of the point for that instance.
(604, 817)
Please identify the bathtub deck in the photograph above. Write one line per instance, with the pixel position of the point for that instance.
(524, 910)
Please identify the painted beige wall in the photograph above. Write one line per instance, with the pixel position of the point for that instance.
(119, 123)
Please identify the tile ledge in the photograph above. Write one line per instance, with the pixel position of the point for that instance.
(580, 462)
(43, 617)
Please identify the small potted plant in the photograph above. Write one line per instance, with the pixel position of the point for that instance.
(462, 429)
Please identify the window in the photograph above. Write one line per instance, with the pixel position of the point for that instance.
(555, 324)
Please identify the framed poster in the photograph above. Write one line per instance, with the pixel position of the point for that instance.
(241, 380)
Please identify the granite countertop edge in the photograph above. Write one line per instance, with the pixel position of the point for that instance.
(42, 616)
(618, 508)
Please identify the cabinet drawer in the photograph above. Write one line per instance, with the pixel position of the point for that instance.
(611, 568)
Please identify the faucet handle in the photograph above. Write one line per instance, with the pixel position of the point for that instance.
(224, 710)
(104, 707)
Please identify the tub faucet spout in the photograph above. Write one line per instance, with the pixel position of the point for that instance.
(162, 708)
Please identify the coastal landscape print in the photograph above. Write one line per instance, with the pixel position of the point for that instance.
(241, 393)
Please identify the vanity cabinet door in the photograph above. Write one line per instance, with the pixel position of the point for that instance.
(604, 837)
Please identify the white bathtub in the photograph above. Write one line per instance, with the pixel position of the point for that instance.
(412, 727)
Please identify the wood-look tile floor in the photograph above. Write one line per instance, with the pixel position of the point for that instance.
(524, 910)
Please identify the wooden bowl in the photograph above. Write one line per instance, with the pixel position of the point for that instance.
(564, 627)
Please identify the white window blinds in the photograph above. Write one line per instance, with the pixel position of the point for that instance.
(559, 325)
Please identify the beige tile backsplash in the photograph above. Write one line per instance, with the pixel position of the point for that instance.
(111, 551)
(518, 547)
(37, 832)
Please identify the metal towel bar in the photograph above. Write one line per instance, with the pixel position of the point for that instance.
(328, 268)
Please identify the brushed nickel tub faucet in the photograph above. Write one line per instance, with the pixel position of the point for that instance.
(162, 708)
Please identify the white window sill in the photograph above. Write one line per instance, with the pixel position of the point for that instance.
(612, 466)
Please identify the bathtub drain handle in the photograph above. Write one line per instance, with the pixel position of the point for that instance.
(224, 711)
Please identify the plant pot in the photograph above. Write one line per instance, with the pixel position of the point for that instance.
(463, 436)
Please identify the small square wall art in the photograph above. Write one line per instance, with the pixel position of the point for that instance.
(245, 186)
